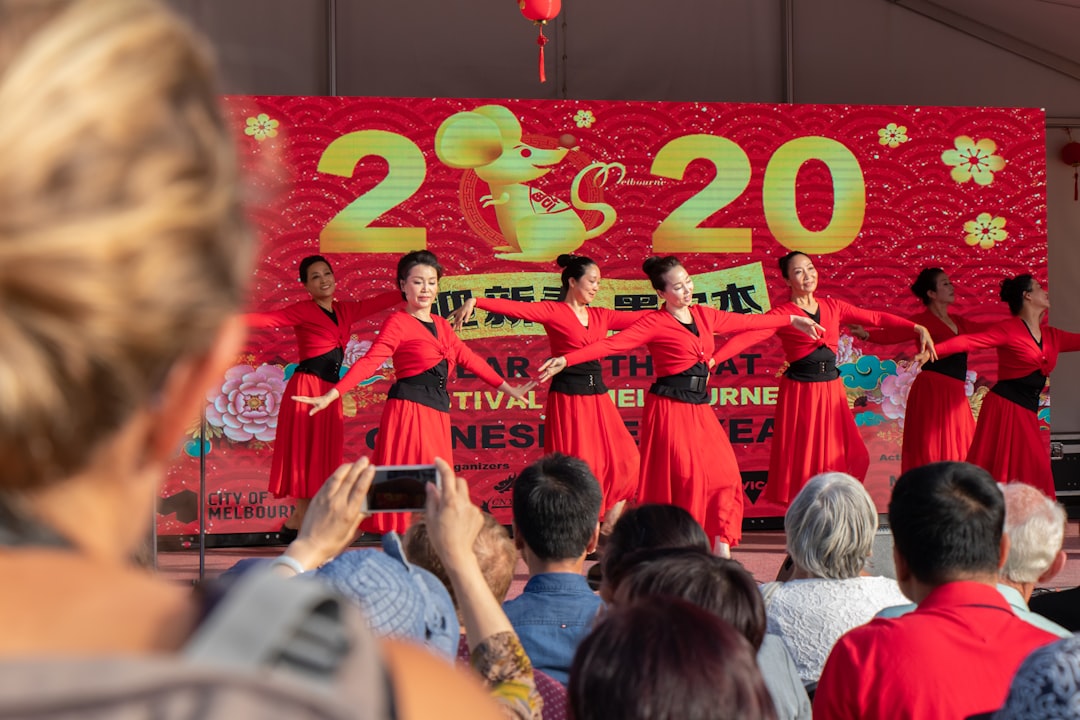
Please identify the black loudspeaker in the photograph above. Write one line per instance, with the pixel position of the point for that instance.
(1065, 466)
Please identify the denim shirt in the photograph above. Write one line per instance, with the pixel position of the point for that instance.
(552, 615)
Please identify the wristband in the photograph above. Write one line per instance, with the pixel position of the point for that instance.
(289, 562)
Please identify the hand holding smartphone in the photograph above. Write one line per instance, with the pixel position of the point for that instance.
(401, 488)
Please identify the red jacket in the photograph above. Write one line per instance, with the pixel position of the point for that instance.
(939, 331)
(798, 344)
(1018, 353)
(565, 332)
(673, 347)
(316, 333)
(415, 350)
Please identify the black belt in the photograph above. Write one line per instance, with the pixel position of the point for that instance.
(578, 383)
(819, 366)
(954, 366)
(326, 366)
(693, 383)
(424, 379)
(1023, 391)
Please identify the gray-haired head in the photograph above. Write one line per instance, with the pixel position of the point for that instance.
(1035, 525)
(830, 526)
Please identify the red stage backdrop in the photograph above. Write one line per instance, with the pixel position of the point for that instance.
(498, 188)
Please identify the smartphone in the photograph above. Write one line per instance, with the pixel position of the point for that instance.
(400, 488)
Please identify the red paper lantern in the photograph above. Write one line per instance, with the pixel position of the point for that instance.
(1070, 155)
(540, 11)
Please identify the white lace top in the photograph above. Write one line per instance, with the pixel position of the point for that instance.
(811, 615)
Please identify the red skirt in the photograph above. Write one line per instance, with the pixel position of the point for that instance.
(1009, 445)
(306, 449)
(814, 432)
(409, 434)
(938, 424)
(589, 427)
(686, 460)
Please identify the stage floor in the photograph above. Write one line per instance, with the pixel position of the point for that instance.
(761, 552)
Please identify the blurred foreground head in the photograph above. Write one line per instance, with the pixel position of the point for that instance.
(123, 249)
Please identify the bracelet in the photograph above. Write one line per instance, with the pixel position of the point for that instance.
(289, 562)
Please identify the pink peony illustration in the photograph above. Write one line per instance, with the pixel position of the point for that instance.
(246, 407)
(355, 350)
(894, 391)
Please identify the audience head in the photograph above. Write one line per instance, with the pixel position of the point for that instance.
(557, 507)
(830, 526)
(647, 527)
(493, 548)
(398, 599)
(1035, 525)
(926, 283)
(947, 520)
(123, 249)
(662, 658)
(719, 585)
(1047, 685)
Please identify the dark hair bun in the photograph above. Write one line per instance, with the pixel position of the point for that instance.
(650, 262)
(565, 260)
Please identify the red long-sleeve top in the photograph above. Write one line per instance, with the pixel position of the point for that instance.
(565, 332)
(1018, 353)
(316, 333)
(939, 331)
(798, 344)
(415, 350)
(673, 347)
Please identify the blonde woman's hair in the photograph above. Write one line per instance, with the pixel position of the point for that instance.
(122, 243)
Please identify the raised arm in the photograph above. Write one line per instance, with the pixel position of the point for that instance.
(622, 319)
(888, 336)
(538, 312)
(464, 355)
(990, 337)
(1066, 341)
(850, 313)
(286, 317)
(374, 304)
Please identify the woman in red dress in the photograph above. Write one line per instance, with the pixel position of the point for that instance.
(938, 424)
(580, 418)
(686, 460)
(814, 430)
(415, 424)
(308, 449)
(1007, 441)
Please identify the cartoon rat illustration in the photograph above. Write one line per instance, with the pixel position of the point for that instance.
(536, 226)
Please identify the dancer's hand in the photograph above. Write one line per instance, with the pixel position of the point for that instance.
(926, 343)
(858, 331)
(808, 326)
(517, 391)
(462, 315)
(320, 403)
(551, 368)
(331, 519)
